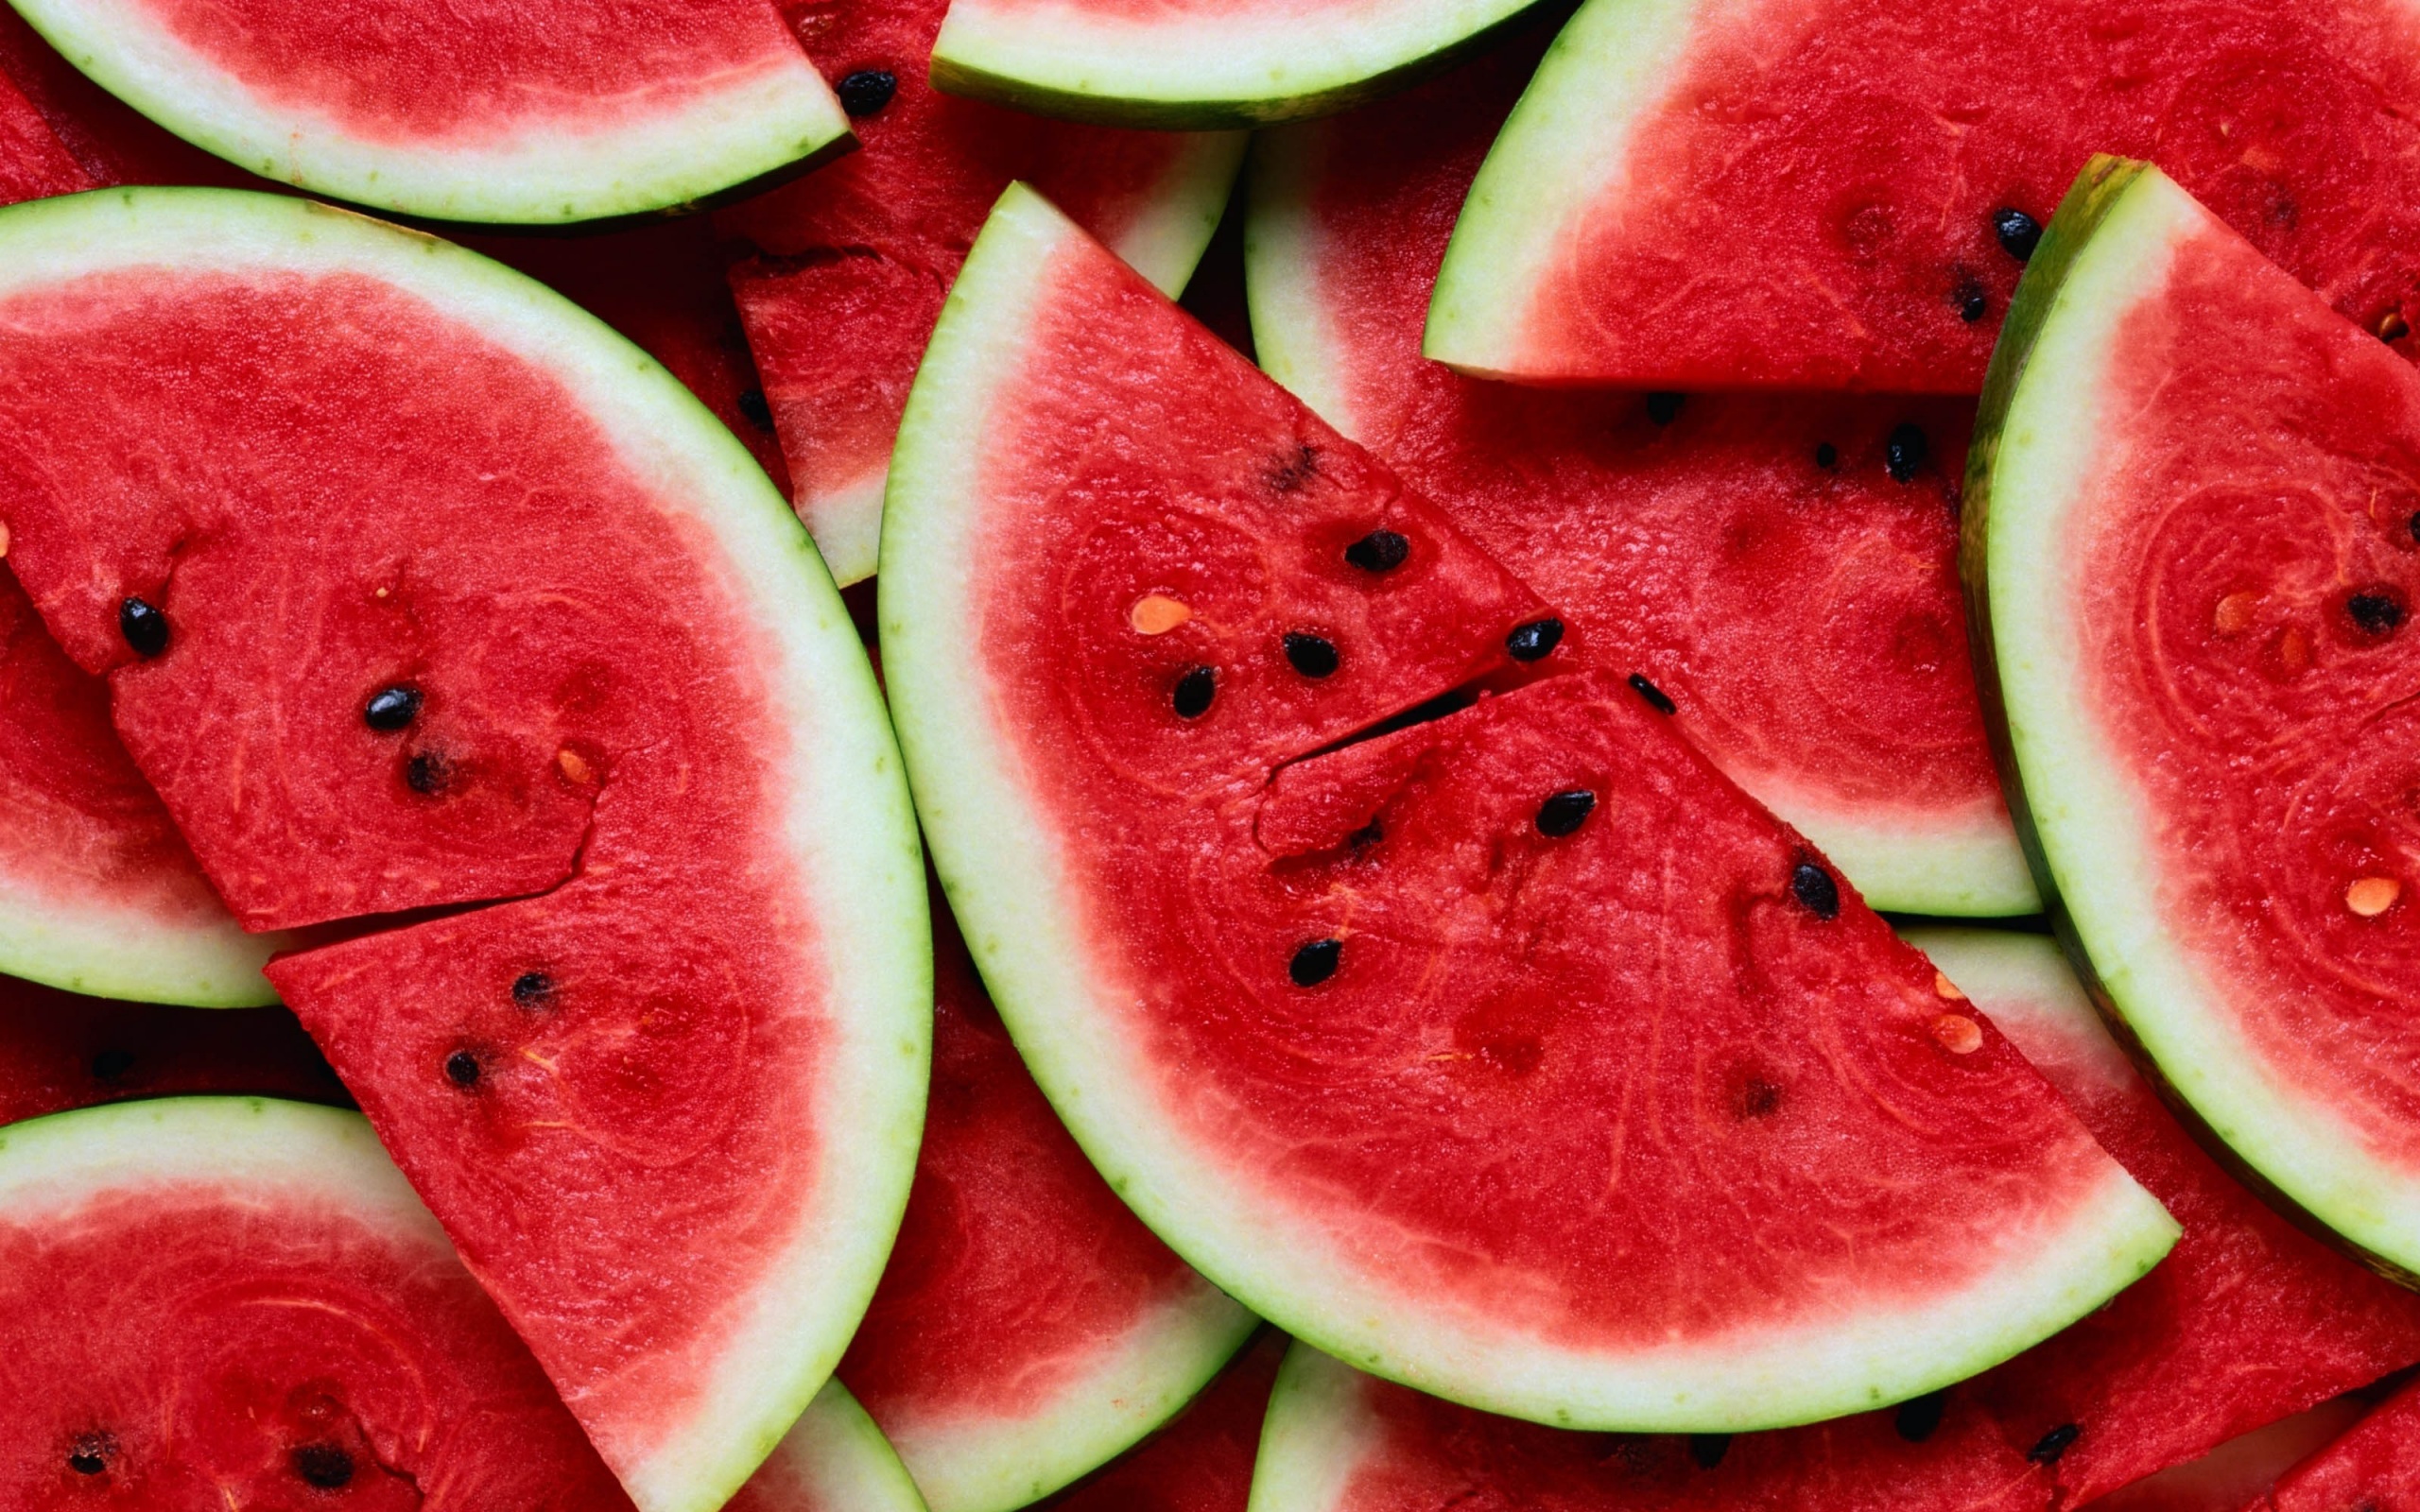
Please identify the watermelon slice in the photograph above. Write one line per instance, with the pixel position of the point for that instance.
(854, 259)
(1028, 1327)
(1782, 570)
(1297, 1006)
(2249, 1319)
(835, 1460)
(459, 598)
(1839, 193)
(111, 142)
(2189, 543)
(1196, 63)
(59, 1051)
(33, 161)
(1201, 1462)
(578, 109)
(2374, 1465)
(2241, 1471)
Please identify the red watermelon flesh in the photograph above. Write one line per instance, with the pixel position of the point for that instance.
(58, 1051)
(110, 140)
(2375, 1466)
(856, 257)
(1783, 569)
(2242, 1470)
(33, 161)
(1202, 1461)
(1804, 193)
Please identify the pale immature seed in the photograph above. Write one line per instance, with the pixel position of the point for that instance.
(1942, 986)
(1958, 1034)
(1157, 614)
(2371, 895)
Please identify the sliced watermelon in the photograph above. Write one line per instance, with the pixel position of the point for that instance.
(112, 142)
(2248, 1320)
(2190, 549)
(1196, 63)
(855, 259)
(1028, 1327)
(1781, 568)
(835, 1460)
(417, 587)
(574, 110)
(1298, 1009)
(2241, 1471)
(1839, 193)
(59, 1051)
(2375, 1466)
(33, 161)
(1201, 1462)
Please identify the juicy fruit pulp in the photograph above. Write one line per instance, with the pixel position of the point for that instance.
(2190, 540)
(1821, 192)
(1111, 703)
(1781, 568)
(622, 1091)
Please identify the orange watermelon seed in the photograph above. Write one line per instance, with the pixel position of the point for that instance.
(1158, 614)
(1944, 987)
(2234, 614)
(573, 766)
(2392, 326)
(3, 538)
(2371, 895)
(1958, 1034)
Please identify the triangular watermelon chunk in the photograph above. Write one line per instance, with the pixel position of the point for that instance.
(2376, 1465)
(1841, 194)
(416, 588)
(1452, 1050)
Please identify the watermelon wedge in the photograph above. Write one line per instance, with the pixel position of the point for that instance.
(2376, 1465)
(1202, 1461)
(575, 111)
(420, 590)
(59, 1051)
(834, 1460)
(111, 142)
(33, 161)
(1197, 63)
(1782, 570)
(853, 260)
(1297, 1006)
(1841, 194)
(2240, 1471)
(2189, 545)
(1028, 1327)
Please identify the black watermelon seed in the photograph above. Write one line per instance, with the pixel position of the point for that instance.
(1565, 812)
(1313, 656)
(426, 772)
(90, 1454)
(111, 1064)
(868, 90)
(1528, 643)
(1758, 1099)
(2053, 1444)
(2415, 524)
(2019, 232)
(391, 708)
(753, 404)
(532, 988)
(1664, 408)
(1972, 302)
(2374, 612)
(1919, 1417)
(1380, 551)
(1827, 456)
(1813, 886)
(1709, 1448)
(463, 1068)
(1905, 452)
(325, 1466)
(146, 628)
(1655, 697)
(1194, 692)
(1315, 961)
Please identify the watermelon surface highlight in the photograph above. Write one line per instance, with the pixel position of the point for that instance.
(1196, 63)
(574, 110)
(665, 1096)
(1028, 1327)
(1273, 992)
(853, 260)
(1202, 1461)
(1812, 194)
(2188, 551)
(59, 1051)
(1781, 568)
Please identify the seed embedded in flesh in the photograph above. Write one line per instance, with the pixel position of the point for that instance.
(1665, 407)
(1531, 641)
(1919, 1417)
(145, 627)
(426, 772)
(753, 405)
(2377, 613)
(1944, 988)
(1958, 1034)
(2235, 613)
(325, 1466)
(1656, 697)
(1565, 812)
(2371, 895)
(463, 1068)
(2392, 326)
(2019, 232)
(1158, 614)
(1827, 456)
(111, 1064)
(1709, 1448)
(573, 766)
(531, 989)
(90, 1454)
(1380, 551)
(1814, 888)
(1973, 304)
(867, 91)
(391, 708)
(2053, 1444)
(1313, 656)
(1194, 692)
(1905, 452)
(1315, 961)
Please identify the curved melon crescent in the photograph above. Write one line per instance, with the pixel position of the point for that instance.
(999, 856)
(748, 107)
(1200, 65)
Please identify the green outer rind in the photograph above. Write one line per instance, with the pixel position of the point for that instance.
(1564, 149)
(132, 953)
(1960, 865)
(2071, 817)
(849, 824)
(1317, 1434)
(737, 138)
(1001, 868)
(1128, 75)
(836, 1460)
(1160, 1368)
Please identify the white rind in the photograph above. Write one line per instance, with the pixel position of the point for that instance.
(1318, 1435)
(2023, 983)
(2096, 835)
(536, 173)
(846, 818)
(835, 1460)
(140, 954)
(1007, 882)
(1292, 337)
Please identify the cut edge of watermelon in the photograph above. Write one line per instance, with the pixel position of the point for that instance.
(133, 954)
(1318, 1434)
(1292, 338)
(2033, 446)
(772, 122)
(1128, 1395)
(1204, 72)
(1000, 869)
(2024, 980)
(1564, 149)
(834, 1458)
(850, 823)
